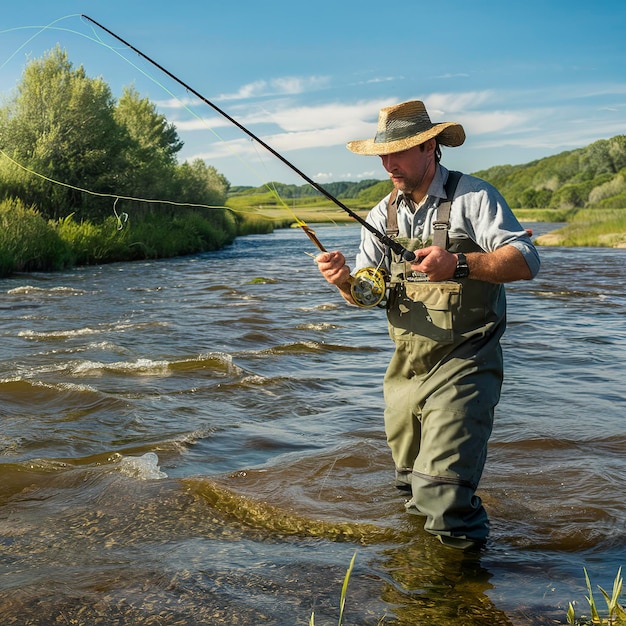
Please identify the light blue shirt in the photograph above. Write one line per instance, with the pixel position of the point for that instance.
(479, 212)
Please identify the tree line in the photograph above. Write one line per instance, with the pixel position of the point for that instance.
(61, 125)
(68, 148)
(72, 161)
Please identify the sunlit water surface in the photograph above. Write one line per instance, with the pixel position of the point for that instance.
(199, 441)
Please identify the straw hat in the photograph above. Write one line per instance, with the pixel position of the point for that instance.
(405, 125)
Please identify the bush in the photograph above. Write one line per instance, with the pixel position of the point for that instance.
(94, 243)
(28, 243)
(180, 233)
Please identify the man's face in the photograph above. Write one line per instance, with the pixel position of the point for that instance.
(411, 169)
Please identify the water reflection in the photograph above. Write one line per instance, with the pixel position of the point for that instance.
(433, 584)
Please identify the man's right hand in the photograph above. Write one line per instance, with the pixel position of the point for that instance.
(333, 267)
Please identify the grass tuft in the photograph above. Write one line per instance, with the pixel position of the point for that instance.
(616, 615)
(344, 591)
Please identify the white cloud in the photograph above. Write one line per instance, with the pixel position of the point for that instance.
(481, 123)
(448, 76)
(201, 124)
(383, 79)
(299, 128)
(326, 116)
(444, 104)
(178, 103)
(282, 86)
(289, 85)
(348, 176)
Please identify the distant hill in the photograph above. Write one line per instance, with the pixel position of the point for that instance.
(590, 177)
(339, 190)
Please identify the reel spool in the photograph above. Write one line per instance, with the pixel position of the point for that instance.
(368, 287)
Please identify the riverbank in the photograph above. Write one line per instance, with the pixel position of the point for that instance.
(584, 228)
(29, 243)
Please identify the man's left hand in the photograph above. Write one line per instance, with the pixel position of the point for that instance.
(438, 264)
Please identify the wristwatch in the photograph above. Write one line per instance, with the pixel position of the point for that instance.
(462, 268)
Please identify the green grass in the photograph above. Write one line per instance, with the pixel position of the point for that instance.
(616, 615)
(591, 228)
(344, 591)
(282, 213)
(544, 215)
(29, 242)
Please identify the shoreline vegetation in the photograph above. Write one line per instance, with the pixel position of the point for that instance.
(31, 243)
(585, 228)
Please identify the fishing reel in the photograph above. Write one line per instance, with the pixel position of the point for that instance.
(368, 286)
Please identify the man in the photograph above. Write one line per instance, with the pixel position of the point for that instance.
(446, 311)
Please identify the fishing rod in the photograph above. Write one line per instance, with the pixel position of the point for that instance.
(384, 239)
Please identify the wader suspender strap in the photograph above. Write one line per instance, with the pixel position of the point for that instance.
(392, 215)
(441, 225)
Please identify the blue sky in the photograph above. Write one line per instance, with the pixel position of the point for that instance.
(526, 79)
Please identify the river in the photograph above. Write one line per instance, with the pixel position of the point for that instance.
(199, 441)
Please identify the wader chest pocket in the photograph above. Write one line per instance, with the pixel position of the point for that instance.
(425, 310)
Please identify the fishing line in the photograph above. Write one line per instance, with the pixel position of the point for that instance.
(368, 286)
(109, 195)
(41, 30)
(383, 238)
(233, 152)
(98, 40)
(122, 218)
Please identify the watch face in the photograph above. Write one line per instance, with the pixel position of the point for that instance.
(462, 269)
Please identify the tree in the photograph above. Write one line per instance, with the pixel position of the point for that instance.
(66, 127)
(201, 183)
(154, 143)
(61, 125)
(373, 194)
(535, 198)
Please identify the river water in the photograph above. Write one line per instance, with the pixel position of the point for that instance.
(199, 441)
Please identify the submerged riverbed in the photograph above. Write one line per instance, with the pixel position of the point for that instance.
(199, 441)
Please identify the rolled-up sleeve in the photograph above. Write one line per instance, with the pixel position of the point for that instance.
(530, 254)
(481, 212)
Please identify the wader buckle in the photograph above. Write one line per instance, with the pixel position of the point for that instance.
(441, 225)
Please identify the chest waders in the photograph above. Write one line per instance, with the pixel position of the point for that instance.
(442, 384)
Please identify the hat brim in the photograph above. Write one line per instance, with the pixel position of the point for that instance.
(449, 133)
